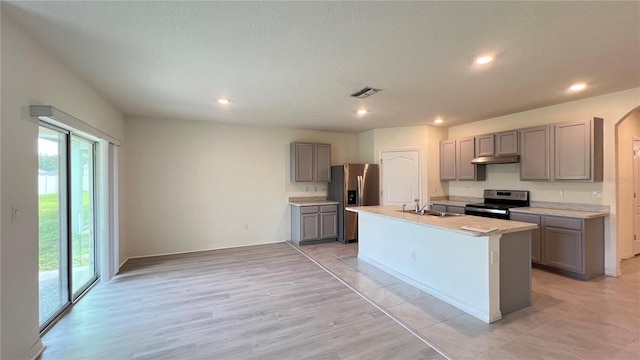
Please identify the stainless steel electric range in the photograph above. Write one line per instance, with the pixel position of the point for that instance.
(498, 202)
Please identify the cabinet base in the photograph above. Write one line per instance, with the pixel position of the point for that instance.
(571, 274)
(307, 242)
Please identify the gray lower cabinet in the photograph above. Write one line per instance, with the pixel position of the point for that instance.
(448, 208)
(310, 162)
(455, 209)
(571, 246)
(314, 223)
(535, 153)
(536, 246)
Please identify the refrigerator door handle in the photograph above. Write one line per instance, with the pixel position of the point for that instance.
(359, 191)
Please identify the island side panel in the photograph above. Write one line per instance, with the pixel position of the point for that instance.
(449, 265)
(515, 271)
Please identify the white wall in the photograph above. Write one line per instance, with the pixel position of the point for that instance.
(31, 76)
(626, 131)
(194, 185)
(611, 107)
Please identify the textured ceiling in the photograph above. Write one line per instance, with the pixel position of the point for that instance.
(295, 64)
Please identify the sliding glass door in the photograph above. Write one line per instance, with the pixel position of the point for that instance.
(67, 238)
(83, 254)
(52, 212)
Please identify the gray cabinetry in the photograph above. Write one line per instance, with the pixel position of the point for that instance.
(447, 160)
(455, 161)
(535, 153)
(310, 224)
(506, 143)
(563, 248)
(322, 162)
(465, 151)
(448, 208)
(578, 150)
(570, 246)
(310, 162)
(314, 223)
(485, 145)
(536, 245)
(455, 209)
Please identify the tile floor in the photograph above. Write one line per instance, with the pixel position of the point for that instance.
(568, 319)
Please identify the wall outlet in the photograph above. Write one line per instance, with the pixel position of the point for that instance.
(413, 255)
(246, 226)
(596, 194)
(561, 192)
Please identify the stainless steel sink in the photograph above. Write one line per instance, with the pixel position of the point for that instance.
(431, 213)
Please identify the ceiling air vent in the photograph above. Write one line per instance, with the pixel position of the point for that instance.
(365, 92)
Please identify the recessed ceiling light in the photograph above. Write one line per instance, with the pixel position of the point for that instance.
(362, 112)
(438, 121)
(223, 101)
(578, 86)
(484, 59)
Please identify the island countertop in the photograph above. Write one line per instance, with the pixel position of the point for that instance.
(450, 223)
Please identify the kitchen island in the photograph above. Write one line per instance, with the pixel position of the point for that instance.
(486, 274)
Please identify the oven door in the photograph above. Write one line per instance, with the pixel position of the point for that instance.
(492, 213)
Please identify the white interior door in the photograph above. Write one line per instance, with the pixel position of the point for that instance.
(400, 171)
(636, 197)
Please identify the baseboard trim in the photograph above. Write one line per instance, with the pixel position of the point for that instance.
(36, 350)
(200, 250)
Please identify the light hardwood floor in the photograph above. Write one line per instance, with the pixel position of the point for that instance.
(569, 319)
(258, 302)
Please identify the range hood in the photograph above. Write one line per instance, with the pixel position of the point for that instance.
(501, 159)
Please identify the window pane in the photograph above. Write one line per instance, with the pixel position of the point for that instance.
(52, 220)
(82, 214)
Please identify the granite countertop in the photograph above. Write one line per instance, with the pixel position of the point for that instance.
(580, 214)
(313, 203)
(450, 223)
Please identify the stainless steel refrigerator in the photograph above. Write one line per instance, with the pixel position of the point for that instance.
(353, 185)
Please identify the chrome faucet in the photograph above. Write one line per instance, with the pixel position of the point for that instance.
(427, 205)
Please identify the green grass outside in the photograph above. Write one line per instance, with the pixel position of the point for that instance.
(49, 233)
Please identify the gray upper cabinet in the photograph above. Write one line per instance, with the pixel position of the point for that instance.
(447, 160)
(465, 152)
(310, 162)
(455, 161)
(322, 162)
(535, 153)
(485, 145)
(578, 150)
(506, 143)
